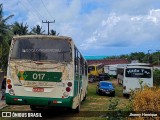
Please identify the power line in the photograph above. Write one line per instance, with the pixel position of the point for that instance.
(35, 9)
(28, 9)
(47, 9)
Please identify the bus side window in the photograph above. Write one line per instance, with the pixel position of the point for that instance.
(76, 60)
(86, 69)
(82, 65)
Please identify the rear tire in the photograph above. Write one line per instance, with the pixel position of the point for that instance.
(77, 110)
(33, 107)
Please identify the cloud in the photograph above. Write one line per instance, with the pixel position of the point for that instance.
(95, 24)
(125, 31)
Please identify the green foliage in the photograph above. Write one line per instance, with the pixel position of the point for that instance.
(37, 30)
(113, 104)
(20, 28)
(152, 58)
(114, 113)
(5, 37)
(52, 32)
(156, 77)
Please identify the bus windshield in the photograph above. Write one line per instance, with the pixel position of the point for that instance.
(138, 73)
(91, 68)
(42, 49)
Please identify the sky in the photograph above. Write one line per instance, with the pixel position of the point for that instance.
(98, 27)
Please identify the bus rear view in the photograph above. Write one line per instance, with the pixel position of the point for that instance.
(41, 72)
(135, 76)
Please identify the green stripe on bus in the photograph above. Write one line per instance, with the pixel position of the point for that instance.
(28, 100)
(40, 76)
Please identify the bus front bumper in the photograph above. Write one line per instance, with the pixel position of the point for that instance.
(41, 101)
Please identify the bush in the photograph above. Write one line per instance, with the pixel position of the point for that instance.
(147, 100)
(156, 77)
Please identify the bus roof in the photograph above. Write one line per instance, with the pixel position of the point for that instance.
(95, 64)
(41, 36)
(139, 64)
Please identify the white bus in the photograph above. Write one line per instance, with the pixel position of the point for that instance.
(111, 70)
(45, 71)
(131, 75)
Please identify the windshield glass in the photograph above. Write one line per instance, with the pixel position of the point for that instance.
(106, 84)
(91, 68)
(138, 73)
(42, 49)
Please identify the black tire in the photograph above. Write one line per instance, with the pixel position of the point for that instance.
(77, 110)
(126, 95)
(100, 93)
(97, 92)
(33, 107)
(113, 95)
(38, 108)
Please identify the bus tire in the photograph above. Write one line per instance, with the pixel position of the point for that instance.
(33, 107)
(77, 110)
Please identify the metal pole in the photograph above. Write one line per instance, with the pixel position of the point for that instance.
(48, 22)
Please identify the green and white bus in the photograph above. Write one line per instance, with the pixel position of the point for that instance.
(46, 70)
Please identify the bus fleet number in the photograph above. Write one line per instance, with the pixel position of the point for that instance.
(38, 76)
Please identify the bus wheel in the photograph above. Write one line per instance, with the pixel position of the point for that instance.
(77, 110)
(33, 107)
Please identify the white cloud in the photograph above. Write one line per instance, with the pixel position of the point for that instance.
(95, 24)
(125, 31)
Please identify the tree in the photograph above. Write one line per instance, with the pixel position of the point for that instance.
(5, 37)
(20, 28)
(37, 30)
(52, 32)
(4, 28)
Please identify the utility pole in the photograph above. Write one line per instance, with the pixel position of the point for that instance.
(48, 24)
(149, 55)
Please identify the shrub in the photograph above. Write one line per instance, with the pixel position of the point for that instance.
(147, 100)
(156, 77)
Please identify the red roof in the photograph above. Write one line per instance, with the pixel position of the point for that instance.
(108, 61)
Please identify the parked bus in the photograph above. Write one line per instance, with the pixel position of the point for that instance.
(131, 75)
(46, 71)
(94, 70)
(111, 70)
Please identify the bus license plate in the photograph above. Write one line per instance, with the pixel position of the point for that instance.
(38, 89)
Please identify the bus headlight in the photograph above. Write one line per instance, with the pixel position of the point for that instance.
(11, 92)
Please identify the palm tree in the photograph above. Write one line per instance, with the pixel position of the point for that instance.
(52, 32)
(5, 37)
(4, 28)
(37, 30)
(20, 28)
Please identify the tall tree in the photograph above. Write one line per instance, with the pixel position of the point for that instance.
(37, 30)
(20, 28)
(5, 37)
(4, 28)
